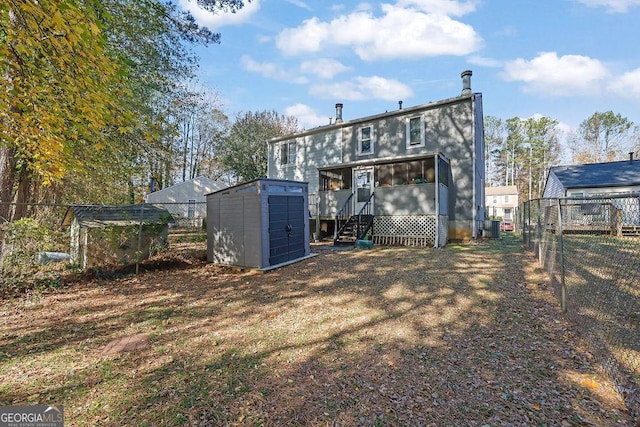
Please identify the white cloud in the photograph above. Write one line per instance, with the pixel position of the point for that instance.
(325, 68)
(363, 88)
(306, 116)
(400, 32)
(270, 70)
(220, 19)
(300, 4)
(263, 39)
(560, 76)
(441, 7)
(627, 85)
(612, 6)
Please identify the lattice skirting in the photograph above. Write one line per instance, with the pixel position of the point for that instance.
(409, 230)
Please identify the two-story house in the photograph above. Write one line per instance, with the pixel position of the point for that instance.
(414, 175)
(501, 203)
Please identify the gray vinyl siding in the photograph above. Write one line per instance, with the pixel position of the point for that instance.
(331, 201)
(554, 187)
(441, 128)
(416, 199)
(312, 151)
(479, 159)
(452, 128)
(456, 128)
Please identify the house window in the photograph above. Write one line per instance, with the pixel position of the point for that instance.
(191, 209)
(365, 143)
(506, 198)
(495, 200)
(288, 153)
(385, 175)
(507, 215)
(334, 180)
(414, 132)
(413, 172)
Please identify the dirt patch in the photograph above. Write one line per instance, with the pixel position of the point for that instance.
(132, 343)
(466, 335)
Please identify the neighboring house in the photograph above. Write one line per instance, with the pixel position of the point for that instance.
(501, 202)
(124, 234)
(186, 201)
(591, 185)
(595, 179)
(415, 174)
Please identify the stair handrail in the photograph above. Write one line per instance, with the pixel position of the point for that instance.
(365, 210)
(343, 214)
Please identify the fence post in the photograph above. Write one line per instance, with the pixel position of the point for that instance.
(528, 223)
(139, 238)
(561, 249)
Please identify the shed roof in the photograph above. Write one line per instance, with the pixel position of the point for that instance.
(257, 182)
(96, 216)
(610, 174)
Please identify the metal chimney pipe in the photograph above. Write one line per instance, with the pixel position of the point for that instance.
(339, 113)
(400, 105)
(630, 156)
(466, 82)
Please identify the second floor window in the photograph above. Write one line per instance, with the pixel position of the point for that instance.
(365, 143)
(288, 153)
(414, 132)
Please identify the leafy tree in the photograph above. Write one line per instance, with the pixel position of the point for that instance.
(539, 151)
(602, 138)
(85, 85)
(522, 151)
(511, 149)
(59, 90)
(494, 136)
(244, 151)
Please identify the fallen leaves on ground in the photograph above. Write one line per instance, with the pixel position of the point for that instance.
(465, 335)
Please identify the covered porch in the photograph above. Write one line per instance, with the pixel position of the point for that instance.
(405, 199)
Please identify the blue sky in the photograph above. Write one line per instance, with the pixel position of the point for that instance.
(565, 59)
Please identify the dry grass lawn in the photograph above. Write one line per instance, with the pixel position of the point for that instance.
(468, 335)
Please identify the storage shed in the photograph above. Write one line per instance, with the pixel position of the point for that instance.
(259, 224)
(121, 234)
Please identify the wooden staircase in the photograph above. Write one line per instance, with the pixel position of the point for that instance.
(355, 228)
(350, 228)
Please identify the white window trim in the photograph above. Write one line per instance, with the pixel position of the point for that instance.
(291, 160)
(408, 132)
(372, 139)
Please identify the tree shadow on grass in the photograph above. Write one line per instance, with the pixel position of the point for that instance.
(392, 336)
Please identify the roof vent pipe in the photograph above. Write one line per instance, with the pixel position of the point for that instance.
(338, 113)
(466, 82)
(400, 105)
(630, 156)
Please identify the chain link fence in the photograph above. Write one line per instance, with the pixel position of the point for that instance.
(590, 248)
(52, 241)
